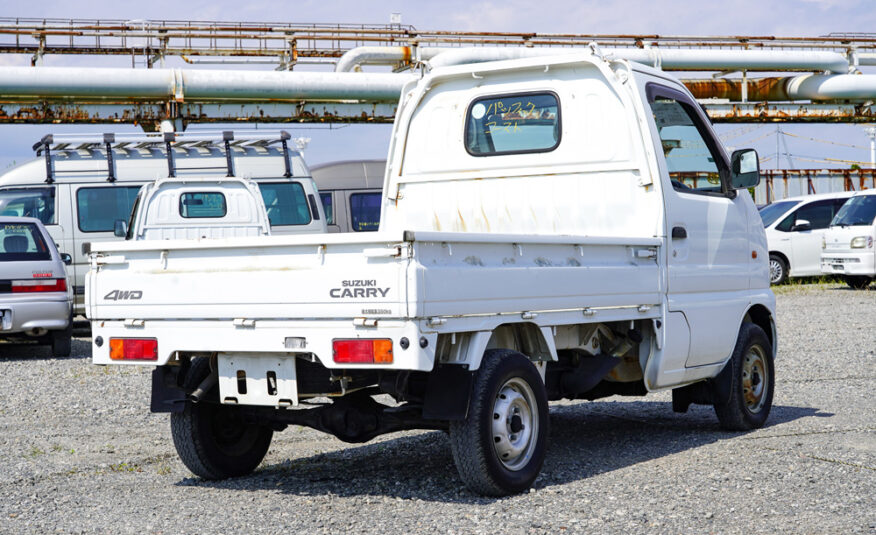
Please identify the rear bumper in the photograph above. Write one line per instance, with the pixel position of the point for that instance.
(863, 263)
(268, 337)
(21, 315)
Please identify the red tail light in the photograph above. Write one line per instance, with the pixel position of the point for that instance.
(39, 285)
(361, 351)
(133, 348)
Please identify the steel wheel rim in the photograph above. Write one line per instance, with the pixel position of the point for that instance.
(515, 424)
(775, 271)
(755, 379)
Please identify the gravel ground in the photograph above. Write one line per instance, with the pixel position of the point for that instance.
(82, 453)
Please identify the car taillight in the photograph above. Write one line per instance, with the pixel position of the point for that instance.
(133, 348)
(39, 285)
(359, 351)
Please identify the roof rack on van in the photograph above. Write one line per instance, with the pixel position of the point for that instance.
(169, 140)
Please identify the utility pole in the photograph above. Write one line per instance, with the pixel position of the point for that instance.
(871, 132)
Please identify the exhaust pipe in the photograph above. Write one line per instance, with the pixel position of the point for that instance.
(206, 385)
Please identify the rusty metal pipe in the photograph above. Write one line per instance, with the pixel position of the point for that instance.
(181, 85)
(814, 87)
(668, 59)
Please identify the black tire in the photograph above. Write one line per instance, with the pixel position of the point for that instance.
(62, 341)
(211, 439)
(484, 452)
(858, 282)
(778, 269)
(752, 382)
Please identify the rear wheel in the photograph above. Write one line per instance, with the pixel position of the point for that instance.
(778, 269)
(500, 447)
(858, 282)
(751, 383)
(62, 341)
(213, 440)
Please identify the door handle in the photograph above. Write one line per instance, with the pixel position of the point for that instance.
(679, 233)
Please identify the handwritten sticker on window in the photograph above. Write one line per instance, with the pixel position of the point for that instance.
(513, 124)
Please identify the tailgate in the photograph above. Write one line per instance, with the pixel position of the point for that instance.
(270, 277)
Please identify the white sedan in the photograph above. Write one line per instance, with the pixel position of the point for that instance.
(794, 229)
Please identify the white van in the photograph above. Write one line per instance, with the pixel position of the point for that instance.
(848, 246)
(79, 186)
(794, 229)
(351, 193)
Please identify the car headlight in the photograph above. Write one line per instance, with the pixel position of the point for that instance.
(859, 242)
(823, 243)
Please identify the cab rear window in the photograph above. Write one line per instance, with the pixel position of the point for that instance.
(202, 205)
(513, 124)
(22, 241)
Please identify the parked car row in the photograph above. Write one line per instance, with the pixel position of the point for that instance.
(809, 236)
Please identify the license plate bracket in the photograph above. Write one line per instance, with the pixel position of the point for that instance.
(258, 379)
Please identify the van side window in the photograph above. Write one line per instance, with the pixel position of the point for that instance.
(286, 203)
(692, 163)
(202, 205)
(99, 208)
(328, 208)
(365, 211)
(513, 124)
(29, 202)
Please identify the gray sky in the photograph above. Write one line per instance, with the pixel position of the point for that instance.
(666, 17)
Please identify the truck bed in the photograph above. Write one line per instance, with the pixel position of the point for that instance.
(414, 275)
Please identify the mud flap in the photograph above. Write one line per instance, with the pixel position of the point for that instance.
(708, 392)
(448, 391)
(167, 395)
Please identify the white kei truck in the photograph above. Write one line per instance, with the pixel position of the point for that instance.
(552, 227)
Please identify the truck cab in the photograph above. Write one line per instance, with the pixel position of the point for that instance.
(200, 208)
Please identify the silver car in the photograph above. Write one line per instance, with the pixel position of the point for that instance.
(36, 303)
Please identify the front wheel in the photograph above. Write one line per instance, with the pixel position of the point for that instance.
(213, 440)
(500, 447)
(778, 269)
(752, 382)
(858, 282)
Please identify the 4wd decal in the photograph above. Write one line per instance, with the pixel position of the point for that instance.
(122, 295)
(358, 288)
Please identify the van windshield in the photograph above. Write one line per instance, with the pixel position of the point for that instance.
(29, 202)
(860, 210)
(770, 213)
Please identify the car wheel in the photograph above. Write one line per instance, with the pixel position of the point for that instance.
(858, 282)
(213, 440)
(752, 382)
(500, 447)
(62, 341)
(778, 269)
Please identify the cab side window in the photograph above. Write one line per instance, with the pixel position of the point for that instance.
(819, 214)
(692, 159)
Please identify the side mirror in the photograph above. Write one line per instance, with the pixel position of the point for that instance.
(802, 224)
(745, 169)
(66, 258)
(121, 228)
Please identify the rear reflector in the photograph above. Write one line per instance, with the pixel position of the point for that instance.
(39, 285)
(361, 351)
(133, 348)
